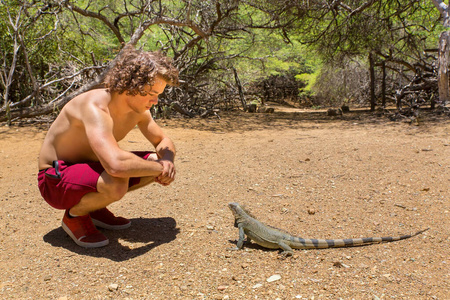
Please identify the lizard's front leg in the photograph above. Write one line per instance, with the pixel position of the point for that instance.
(240, 242)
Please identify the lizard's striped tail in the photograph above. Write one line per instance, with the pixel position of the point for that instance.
(325, 243)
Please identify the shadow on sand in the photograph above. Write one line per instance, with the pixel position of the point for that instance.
(143, 235)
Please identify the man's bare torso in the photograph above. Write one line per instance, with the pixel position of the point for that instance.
(67, 139)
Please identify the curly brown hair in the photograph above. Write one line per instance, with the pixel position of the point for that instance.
(135, 69)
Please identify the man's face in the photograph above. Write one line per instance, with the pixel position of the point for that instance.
(144, 103)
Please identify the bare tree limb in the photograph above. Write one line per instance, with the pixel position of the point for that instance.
(15, 25)
(98, 16)
(46, 85)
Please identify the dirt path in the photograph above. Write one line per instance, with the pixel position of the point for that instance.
(313, 176)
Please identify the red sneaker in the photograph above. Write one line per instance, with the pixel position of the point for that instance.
(83, 232)
(105, 219)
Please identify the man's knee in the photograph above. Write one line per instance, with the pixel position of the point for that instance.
(113, 188)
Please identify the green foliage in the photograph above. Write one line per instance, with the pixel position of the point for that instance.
(270, 55)
(389, 28)
(313, 42)
(310, 80)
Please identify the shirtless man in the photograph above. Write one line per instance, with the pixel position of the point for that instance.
(82, 168)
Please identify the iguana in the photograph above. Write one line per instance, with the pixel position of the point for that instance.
(273, 238)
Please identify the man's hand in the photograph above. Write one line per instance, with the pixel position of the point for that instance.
(168, 174)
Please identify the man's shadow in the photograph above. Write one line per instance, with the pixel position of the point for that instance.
(143, 235)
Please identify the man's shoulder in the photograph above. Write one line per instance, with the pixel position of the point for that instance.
(93, 99)
(83, 105)
(96, 96)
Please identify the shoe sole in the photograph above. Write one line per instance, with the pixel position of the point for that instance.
(84, 244)
(110, 227)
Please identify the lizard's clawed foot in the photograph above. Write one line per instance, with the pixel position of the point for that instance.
(285, 254)
(233, 249)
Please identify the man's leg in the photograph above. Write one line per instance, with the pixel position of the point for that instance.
(78, 223)
(145, 180)
(109, 190)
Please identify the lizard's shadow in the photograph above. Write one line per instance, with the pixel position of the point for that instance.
(143, 235)
(254, 246)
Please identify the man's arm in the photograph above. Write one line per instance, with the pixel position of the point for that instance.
(165, 149)
(117, 162)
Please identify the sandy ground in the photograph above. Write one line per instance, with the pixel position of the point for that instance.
(304, 172)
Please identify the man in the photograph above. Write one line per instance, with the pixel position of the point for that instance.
(82, 168)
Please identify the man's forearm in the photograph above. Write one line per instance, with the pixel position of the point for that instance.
(130, 165)
(166, 149)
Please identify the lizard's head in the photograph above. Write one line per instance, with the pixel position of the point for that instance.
(235, 209)
(239, 212)
(233, 205)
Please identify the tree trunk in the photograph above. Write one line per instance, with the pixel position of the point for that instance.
(383, 85)
(241, 93)
(8, 83)
(372, 81)
(444, 95)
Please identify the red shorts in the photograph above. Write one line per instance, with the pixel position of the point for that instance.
(65, 184)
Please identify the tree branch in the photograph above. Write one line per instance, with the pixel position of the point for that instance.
(97, 16)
